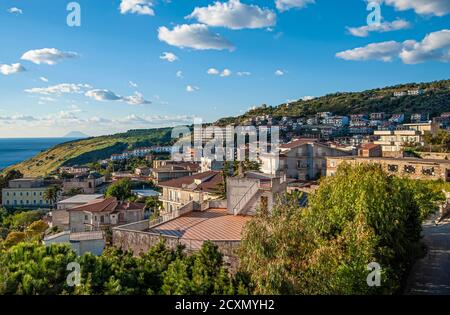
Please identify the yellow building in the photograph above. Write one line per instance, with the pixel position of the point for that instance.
(25, 193)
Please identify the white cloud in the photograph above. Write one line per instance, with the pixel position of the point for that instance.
(57, 124)
(15, 10)
(234, 15)
(132, 84)
(179, 74)
(422, 7)
(196, 36)
(102, 95)
(136, 99)
(226, 73)
(213, 71)
(170, 57)
(107, 95)
(11, 69)
(48, 56)
(284, 5)
(141, 7)
(243, 73)
(384, 51)
(191, 88)
(43, 79)
(307, 98)
(63, 88)
(280, 72)
(434, 47)
(383, 27)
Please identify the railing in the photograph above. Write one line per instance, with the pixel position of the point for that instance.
(246, 198)
(189, 207)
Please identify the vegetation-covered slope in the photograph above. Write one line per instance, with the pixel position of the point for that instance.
(91, 149)
(435, 100)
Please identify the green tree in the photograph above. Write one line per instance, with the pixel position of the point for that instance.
(120, 189)
(51, 194)
(360, 215)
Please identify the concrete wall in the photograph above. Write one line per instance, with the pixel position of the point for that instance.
(60, 218)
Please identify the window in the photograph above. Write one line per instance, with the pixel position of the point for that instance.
(429, 171)
(410, 169)
(102, 219)
(85, 217)
(393, 168)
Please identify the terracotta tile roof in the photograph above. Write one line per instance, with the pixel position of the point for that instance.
(209, 181)
(108, 205)
(213, 225)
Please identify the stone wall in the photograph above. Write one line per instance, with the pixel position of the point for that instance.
(134, 237)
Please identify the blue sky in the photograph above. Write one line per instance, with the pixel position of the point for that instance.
(55, 78)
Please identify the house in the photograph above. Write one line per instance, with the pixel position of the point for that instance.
(300, 159)
(393, 141)
(198, 187)
(424, 127)
(419, 118)
(168, 170)
(416, 92)
(103, 213)
(400, 93)
(142, 171)
(81, 243)
(60, 216)
(377, 116)
(26, 193)
(76, 169)
(370, 150)
(336, 121)
(414, 168)
(397, 118)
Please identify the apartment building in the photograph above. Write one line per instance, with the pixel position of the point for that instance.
(167, 170)
(393, 141)
(303, 159)
(199, 187)
(26, 193)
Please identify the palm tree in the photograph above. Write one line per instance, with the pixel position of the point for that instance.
(51, 194)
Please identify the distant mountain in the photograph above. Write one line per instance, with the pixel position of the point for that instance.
(76, 134)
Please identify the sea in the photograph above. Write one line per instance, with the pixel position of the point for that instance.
(13, 151)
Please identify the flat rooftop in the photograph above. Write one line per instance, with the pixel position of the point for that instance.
(213, 225)
(81, 198)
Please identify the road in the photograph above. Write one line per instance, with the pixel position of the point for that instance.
(431, 274)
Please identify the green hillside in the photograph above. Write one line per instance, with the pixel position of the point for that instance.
(91, 149)
(434, 101)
